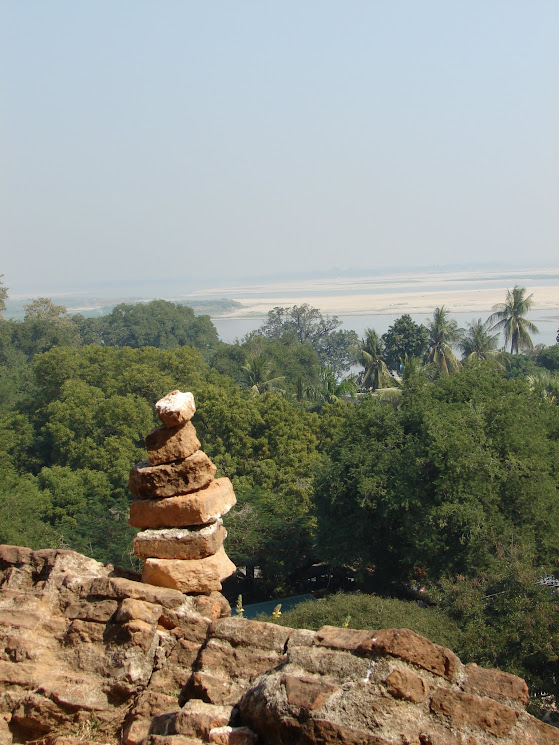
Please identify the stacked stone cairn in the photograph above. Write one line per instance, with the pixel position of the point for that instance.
(179, 505)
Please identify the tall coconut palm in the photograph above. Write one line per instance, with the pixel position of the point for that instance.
(443, 333)
(330, 388)
(371, 355)
(508, 317)
(479, 343)
(257, 374)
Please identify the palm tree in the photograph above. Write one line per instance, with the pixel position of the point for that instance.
(443, 333)
(330, 388)
(545, 384)
(257, 374)
(509, 318)
(371, 355)
(478, 344)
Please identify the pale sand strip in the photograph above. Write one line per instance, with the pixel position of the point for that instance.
(457, 301)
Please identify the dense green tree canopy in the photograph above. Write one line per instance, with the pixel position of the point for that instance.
(548, 357)
(404, 338)
(158, 323)
(304, 324)
(461, 464)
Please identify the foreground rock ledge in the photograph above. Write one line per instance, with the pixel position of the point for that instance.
(84, 642)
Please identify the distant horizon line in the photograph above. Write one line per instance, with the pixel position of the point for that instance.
(139, 286)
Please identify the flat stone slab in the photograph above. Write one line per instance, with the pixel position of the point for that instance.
(195, 575)
(180, 543)
(176, 408)
(198, 508)
(166, 444)
(171, 479)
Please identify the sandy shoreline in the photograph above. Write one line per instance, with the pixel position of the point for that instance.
(457, 301)
(460, 292)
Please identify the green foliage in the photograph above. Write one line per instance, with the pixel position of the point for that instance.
(509, 317)
(303, 324)
(3, 295)
(508, 619)
(330, 389)
(257, 374)
(478, 343)
(159, 323)
(45, 326)
(272, 534)
(518, 365)
(437, 483)
(404, 339)
(548, 357)
(83, 425)
(545, 384)
(443, 333)
(371, 356)
(372, 612)
(24, 511)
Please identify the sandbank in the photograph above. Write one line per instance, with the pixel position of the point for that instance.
(414, 293)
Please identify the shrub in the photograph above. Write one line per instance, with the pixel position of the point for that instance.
(372, 612)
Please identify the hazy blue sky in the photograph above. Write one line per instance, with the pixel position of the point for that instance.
(213, 140)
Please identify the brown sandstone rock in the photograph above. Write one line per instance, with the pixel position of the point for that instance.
(138, 610)
(227, 663)
(138, 722)
(240, 632)
(180, 543)
(203, 506)
(195, 719)
(495, 684)
(196, 575)
(211, 689)
(538, 733)
(463, 708)
(116, 587)
(166, 444)
(237, 652)
(59, 672)
(404, 684)
(233, 736)
(335, 638)
(84, 610)
(176, 408)
(171, 740)
(170, 479)
(15, 555)
(309, 693)
(411, 647)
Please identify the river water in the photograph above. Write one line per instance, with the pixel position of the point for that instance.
(232, 329)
